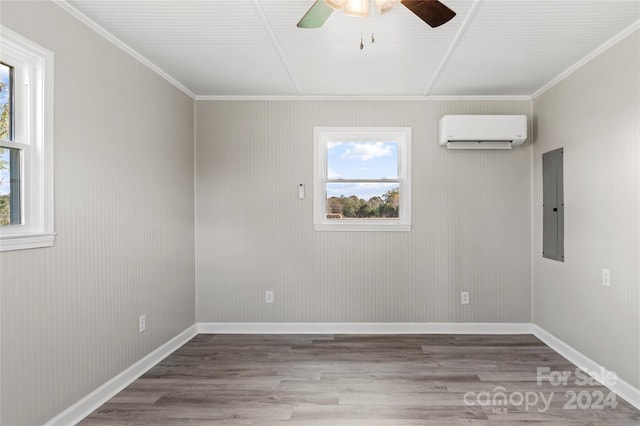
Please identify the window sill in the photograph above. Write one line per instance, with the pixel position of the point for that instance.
(368, 227)
(24, 242)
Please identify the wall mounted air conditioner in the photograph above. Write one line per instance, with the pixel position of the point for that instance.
(482, 131)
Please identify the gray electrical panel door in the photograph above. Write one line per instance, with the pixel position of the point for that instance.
(553, 205)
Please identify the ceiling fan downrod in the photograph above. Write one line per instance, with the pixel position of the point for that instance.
(362, 24)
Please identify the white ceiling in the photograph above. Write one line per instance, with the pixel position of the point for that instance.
(253, 47)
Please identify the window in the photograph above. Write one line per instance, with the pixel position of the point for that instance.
(26, 143)
(362, 179)
(9, 157)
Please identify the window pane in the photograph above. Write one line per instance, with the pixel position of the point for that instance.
(363, 200)
(6, 102)
(362, 160)
(9, 186)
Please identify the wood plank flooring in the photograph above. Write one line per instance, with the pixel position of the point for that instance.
(362, 380)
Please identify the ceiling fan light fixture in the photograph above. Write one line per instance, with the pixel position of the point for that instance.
(335, 4)
(358, 8)
(386, 5)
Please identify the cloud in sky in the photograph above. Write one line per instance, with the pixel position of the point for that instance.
(367, 151)
(362, 160)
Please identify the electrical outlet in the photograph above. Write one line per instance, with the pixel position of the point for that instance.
(142, 323)
(268, 296)
(464, 298)
(606, 277)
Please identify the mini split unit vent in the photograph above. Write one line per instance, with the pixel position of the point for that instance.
(482, 131)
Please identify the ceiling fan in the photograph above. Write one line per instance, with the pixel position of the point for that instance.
(432, 12)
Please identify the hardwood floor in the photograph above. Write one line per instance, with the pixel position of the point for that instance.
(362, 380)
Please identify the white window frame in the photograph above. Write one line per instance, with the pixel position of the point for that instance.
(324, 135)
(33, 135)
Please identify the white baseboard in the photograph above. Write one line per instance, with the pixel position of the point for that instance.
(621, 388)
(95, 399)
(362, 328)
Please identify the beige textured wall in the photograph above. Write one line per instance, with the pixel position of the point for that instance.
(124, 218)
(471, 221)
(125, 207)
(595, 116)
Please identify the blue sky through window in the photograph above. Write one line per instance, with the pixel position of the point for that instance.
(4, 78)
(5, 73)
(361, 160)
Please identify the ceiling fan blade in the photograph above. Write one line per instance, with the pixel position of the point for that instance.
(432, 12)
(316, 15)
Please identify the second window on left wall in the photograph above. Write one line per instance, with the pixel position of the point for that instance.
(26, 143)
(10, 157)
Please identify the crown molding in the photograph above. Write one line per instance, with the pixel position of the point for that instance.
(139, 57)
(122, 45)
(582, 62)
(362, 98)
